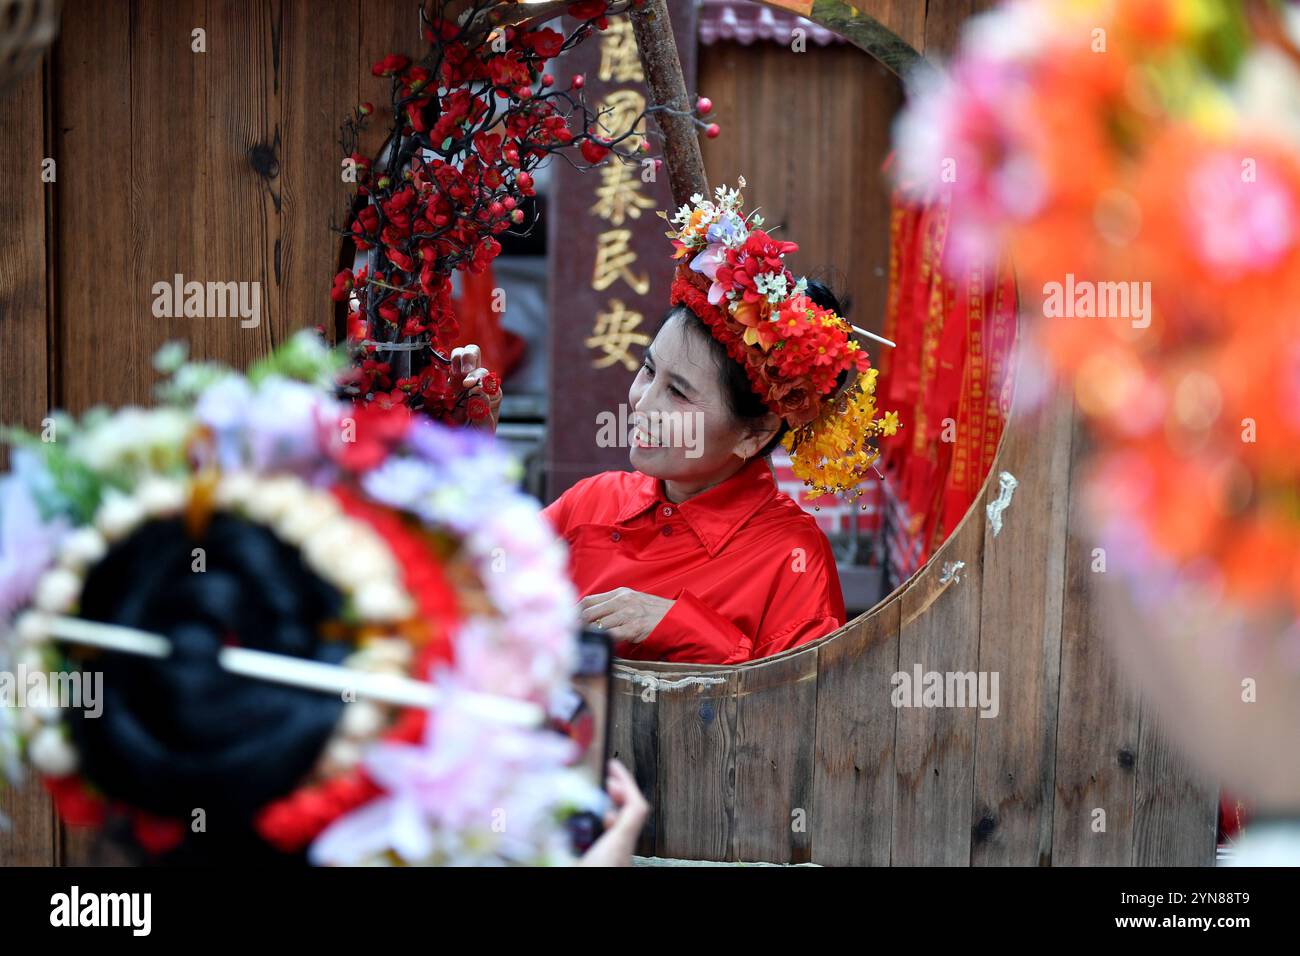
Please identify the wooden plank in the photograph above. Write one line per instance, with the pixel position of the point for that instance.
(853, 774)
(25, 398)
(241, 174)
(776, 733)
(944, 22)
(1175, 806)
(98, 357)
(634, 740)
(1020, 641)
(316, 93)
(1097, 717)
(934, 747)
(697, 725)
(906, 18)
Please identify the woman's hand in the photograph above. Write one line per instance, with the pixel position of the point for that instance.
(465, 361)
(624, 614)
(622, 824)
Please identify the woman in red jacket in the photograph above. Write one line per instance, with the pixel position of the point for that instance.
(696, 556)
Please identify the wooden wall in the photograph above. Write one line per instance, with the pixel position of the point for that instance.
(223, 166)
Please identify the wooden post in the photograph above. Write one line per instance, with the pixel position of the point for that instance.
(667, 87)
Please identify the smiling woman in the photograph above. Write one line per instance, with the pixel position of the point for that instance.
(697, 556)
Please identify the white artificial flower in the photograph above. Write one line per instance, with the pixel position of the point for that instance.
(57, 591)
(81, 548)
(51, 754)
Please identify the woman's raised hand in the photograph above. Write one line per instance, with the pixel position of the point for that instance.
(483, 395)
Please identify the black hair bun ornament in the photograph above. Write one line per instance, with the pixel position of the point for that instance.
(269, 627)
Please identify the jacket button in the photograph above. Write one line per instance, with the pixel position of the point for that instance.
(668, 512)
(668, 529)
(614, 536)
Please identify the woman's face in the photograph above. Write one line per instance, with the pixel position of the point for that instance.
(684, 430)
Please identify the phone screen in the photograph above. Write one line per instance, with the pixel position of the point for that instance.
(582, 714)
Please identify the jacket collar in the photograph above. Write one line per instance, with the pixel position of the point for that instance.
(714, 514)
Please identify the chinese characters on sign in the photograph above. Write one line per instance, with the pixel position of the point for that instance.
(610, 267)
(618, 199)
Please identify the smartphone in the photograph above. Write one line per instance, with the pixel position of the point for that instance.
(582, 714)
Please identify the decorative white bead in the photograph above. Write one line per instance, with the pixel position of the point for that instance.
(341, 755)
(118, 516)
(378, 600)
(301, 520)
(32, 627)
(81, 548)
(233, 488)
(51, 754)
(29, 722)
(57, 591)
(160, 496)
(270, 499)
(361, 720)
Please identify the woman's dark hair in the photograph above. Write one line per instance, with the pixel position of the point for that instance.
(182, 733)
(740, 396)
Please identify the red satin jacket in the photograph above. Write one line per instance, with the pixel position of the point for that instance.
(749, 570)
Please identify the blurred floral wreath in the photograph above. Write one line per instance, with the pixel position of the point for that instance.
(406, 528)
(1115, 148)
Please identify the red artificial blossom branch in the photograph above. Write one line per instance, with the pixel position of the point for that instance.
(472, 120)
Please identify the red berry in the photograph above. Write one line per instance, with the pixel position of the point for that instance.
(712, 131)
(704, 104)
(517, 216)
(509, 202)
(578, 81)
(547, 79)
(365, 109)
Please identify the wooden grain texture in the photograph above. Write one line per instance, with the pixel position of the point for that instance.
(1175, 805)
(776, 732)
(906, 18)
(1020, 641)
(99, 358)
(944, 20)
(316, 93)
(853, 770)
(935, 746)
(241, 185)
(697, 723)
(25, 399)
(634, 740)
(1097, 719)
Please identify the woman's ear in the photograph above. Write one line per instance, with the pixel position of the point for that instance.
(757, 435)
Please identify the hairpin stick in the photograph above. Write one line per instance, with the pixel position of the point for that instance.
(296, 671)
(873, 335)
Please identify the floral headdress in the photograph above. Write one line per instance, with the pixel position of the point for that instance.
(732, 275)
(390, 536)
